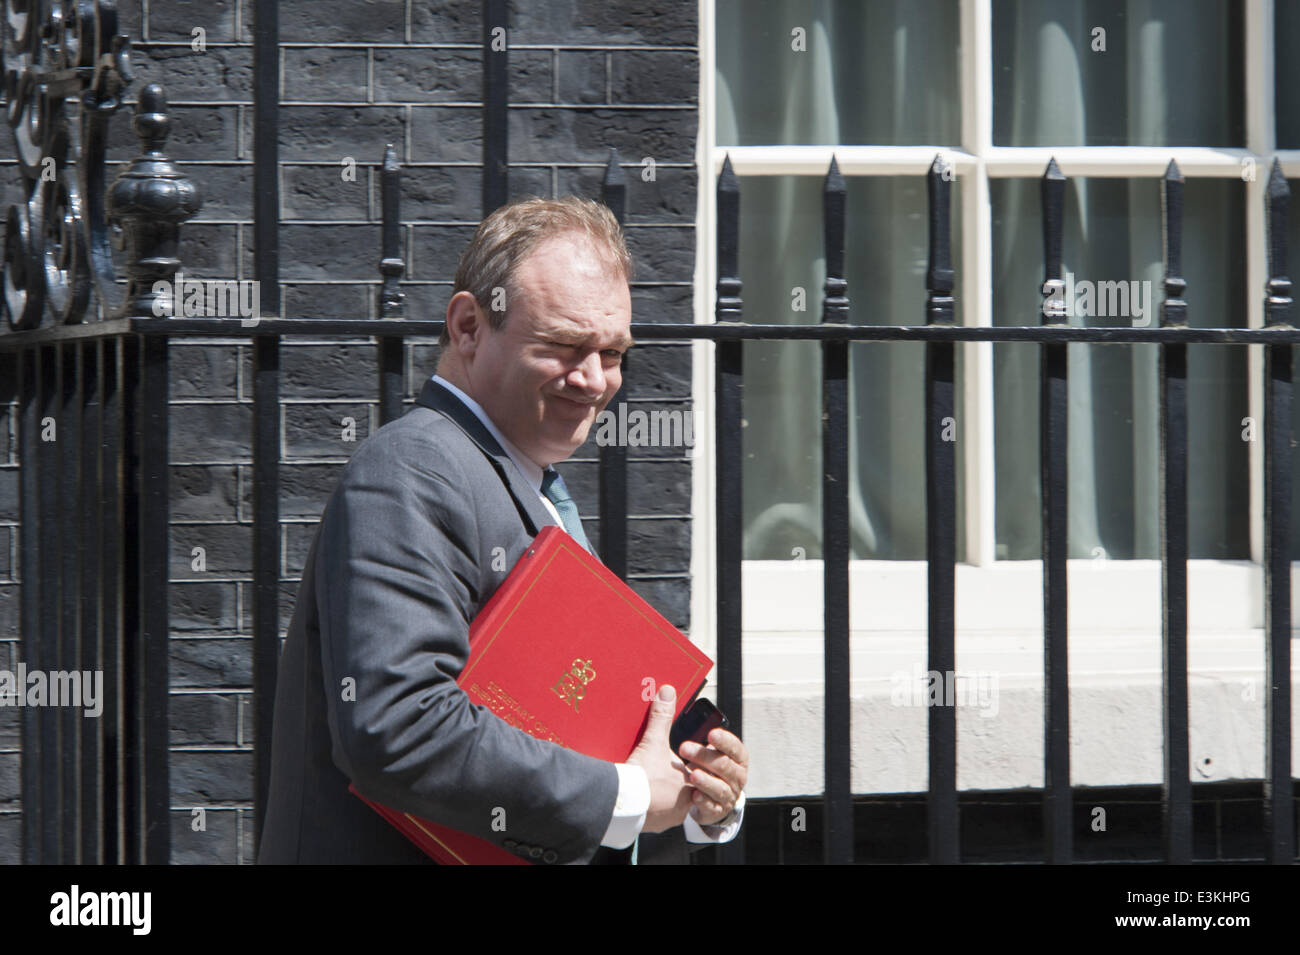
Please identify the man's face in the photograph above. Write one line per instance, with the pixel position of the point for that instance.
(554, 365)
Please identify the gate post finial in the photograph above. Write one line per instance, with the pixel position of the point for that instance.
(1052, 190)
(1173, 310)
(149, 200)
(613, 188)
(391, 264)
(939, 272)
(1277, 197)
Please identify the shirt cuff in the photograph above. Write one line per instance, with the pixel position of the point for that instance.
(630, 807)
(697, 833)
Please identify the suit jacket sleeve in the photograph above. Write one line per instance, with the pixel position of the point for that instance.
(399, 574)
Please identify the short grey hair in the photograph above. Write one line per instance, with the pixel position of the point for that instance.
(506, 237)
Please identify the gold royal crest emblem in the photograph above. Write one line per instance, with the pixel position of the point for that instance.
(572, 687)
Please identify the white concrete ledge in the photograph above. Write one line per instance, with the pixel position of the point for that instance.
(1115, 709)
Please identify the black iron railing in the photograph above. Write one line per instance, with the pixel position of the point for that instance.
(94, 510)
(107, 381)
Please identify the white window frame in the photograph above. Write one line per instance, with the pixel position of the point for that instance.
(783, 598)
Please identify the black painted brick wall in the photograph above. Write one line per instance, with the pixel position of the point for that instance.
(585, 75)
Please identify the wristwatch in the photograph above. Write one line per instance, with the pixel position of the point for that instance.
(726, 820)
(729, 818)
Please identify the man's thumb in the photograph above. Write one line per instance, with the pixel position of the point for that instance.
(661, 713)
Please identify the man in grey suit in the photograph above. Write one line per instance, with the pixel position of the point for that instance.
(428, 518)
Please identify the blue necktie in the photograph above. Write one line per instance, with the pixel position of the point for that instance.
(553, 490)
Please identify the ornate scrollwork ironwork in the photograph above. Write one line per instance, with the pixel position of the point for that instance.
(63, 57)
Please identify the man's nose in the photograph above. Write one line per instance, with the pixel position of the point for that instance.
(589, 375)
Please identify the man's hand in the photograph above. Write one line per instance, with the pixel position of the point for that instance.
(718, 773)
(670, 796)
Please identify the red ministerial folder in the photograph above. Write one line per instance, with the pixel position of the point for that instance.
(566, 651)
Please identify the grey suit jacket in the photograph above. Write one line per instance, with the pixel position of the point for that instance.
(427, 520)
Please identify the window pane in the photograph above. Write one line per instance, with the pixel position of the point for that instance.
(827, 72)
(1286, 74)
(1112, 235)
(1170, 73)
(781, 262)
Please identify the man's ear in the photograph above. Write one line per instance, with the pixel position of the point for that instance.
(466, 323)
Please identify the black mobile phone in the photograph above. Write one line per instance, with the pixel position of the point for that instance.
(695, 724)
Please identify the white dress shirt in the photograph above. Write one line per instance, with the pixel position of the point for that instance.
(633, 800)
